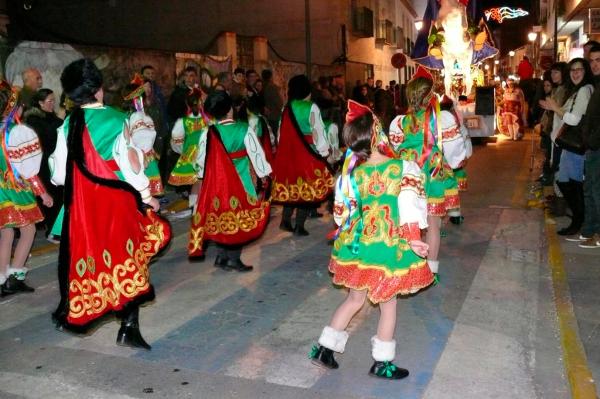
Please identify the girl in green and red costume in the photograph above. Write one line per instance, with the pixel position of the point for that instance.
(301, 176)
(416, 137)
(110, 230)
(184, 140)
(143, 134)
(456, 145)
(378, 254)
(20, 158)
(230, 214)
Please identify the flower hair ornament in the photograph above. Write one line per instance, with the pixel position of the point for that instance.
(136, 95)
(9, 117)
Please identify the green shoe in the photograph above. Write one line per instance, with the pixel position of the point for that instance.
(388, 371)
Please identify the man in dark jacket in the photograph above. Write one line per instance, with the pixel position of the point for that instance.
(590, 231)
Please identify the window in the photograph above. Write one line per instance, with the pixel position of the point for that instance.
(362, 22)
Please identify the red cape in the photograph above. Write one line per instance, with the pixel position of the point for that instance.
(108, 239)
(300, 175)
(225, 213)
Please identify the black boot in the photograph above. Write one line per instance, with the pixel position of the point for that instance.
(7, 288)
(301, 215)
(322, 356)
(573, 193)
(286, 218)
(238, 265)
(221, 261)
(12, 285)
(129, 333)
(457, 220)
(388, 371)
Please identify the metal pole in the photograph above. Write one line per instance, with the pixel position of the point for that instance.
(555, 39)
(307, 28)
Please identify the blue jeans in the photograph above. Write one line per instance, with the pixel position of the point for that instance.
(591, 193)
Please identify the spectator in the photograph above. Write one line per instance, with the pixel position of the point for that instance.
(525, 69)
(545, 128)
(363, 96)
(177, 107)
(44, 121)
(357, 89)
(238, 88)
(32, 82)
(273, 100)
(251, 78)
(224, 82)
(587, 47)
(149, 74)
(370, 89)
(570, 172)
(590, 231)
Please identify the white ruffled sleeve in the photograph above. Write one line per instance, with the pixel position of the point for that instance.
(137, 179)
(412, 202)
(344, 202)
(201, 153)
(57, 162)
(453, 142)
(177, 136)
(256, 153)
(318, 127)
(25, 156)
(334, 143)
(396, 134)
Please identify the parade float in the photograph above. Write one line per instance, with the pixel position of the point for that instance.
(455, 40)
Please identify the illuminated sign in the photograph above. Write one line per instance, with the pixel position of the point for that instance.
(499, 14)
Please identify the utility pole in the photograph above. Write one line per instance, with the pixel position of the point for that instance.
(307, 29)
(555, 39)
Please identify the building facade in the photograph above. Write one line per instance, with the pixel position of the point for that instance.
(360, 36)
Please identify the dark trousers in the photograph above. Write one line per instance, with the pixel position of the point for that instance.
(301, 214)
(230, 252)
(591, 193)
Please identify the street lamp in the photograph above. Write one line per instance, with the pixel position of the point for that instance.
(532, 36)
(418, 25)
(511, 54)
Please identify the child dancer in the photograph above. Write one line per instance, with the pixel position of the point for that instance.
(20, 158)
(381, 208)
(456, 146)
(416, 136)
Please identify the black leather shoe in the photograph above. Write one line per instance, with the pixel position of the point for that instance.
(286, 226)
(457, 219)
(12, 285)
(238, 265)
(199, 258)
(300, 232)
(129, 335)
(568, 231)
(220, 261)
(7, 289)
(323, 357)
(388, 371)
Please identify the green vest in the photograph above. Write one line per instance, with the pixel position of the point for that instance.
(233, 136)
(104, 125)
(301, 110)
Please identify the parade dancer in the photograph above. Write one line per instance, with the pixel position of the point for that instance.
(228, 211)
(20, 158)
(457, 148)
(301, 176)
(143, 134)
(109, 236)
(184, 140)
(380, 207)
(415, 137)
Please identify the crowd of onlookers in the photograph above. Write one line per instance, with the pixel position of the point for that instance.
(568, 119)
